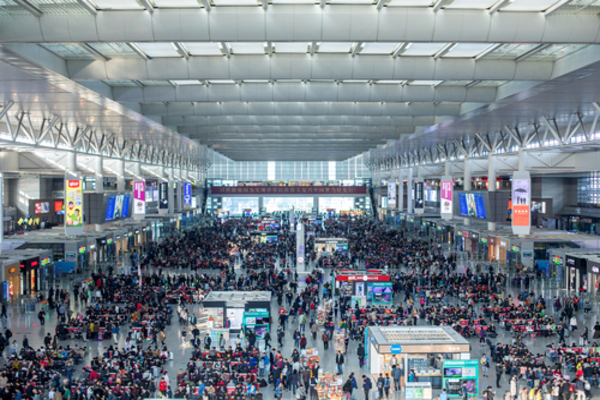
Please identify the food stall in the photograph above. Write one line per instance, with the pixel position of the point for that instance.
(422, 348)
(233, 305)
(371, 285)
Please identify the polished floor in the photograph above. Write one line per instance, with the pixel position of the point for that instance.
(28, 324)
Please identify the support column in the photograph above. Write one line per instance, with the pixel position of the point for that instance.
(467, 185)
(120, 176)
(71, 162)
(401, 190)
(99, 174)
(171, 191)
(260, 203)
(409, 191)
(137, 170)
(179, 190)
(491, 183)
(316, 203)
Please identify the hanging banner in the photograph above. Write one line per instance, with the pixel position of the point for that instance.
(520, 202)
(419, 200)
(74, 200)
(391, 194)
(139, 197)
(187, 194)
(163, 196)
(446, 190)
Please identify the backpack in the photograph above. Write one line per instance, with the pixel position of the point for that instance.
(347, 386)
(379, 384)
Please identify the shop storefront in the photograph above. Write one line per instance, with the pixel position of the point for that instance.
(233, 305)
(593, 273)
(514, 255)
(493, 248)
(327, 246)
(100, 251)
(483, 247)
(576, 269)
(503, 246)
(11, 287)
(422, 349)
(30, 277)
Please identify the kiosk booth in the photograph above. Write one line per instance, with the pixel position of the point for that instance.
(326, 246)
(257, 320)
(233, 305)
(422, 349)
(371, 285)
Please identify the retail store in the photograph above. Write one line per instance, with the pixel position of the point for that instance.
(593, 273)
(363, 286)
(576, 269)
(11, 286)
(423, 349)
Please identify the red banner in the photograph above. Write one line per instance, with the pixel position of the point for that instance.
(299, 190)
(362, 278)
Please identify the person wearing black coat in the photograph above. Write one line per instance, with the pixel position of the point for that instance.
(361, 354)
(339, 360)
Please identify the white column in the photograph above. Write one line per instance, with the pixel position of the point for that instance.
(447, 168)
(179, 190)
(71, 162)
(401, 189)
(99, 174)
(137, 170)
(491, 183)
(120, 176)
(171, 191)
(409, 191)
(467, 184)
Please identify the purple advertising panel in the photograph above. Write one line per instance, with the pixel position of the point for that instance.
(139, 197)
(446, 189)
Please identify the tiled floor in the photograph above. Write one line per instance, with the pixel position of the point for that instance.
(28, 324)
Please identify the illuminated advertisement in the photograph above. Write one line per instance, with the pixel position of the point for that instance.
(74, 199)
(419, 201)
(472, 205)
(446, 189)
(187, 193)
(520, 202)
(59, 207)
(117, 207)
(139, 197)
(392, 194)
(163, 198)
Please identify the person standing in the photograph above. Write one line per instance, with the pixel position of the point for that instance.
(485, 365)
(314, 328)
(444, 395)
(464, 391)
(387, 384)
(339, 360)
(325, 339)
(397, 376)
(499, 372)
(367, 385)
(361, 354)
(380, 385)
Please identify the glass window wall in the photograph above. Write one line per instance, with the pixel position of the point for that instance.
(274, 204)
(337, 203)
(237, 205)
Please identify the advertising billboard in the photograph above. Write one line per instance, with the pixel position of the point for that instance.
(74, 199)
(163, 196)
(419, 200)
(187, 194)
(117, 207)
(139, 197)
(446, 194)
(392, 194)
(521, 193)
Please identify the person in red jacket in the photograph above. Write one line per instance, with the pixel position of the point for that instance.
(162, 387)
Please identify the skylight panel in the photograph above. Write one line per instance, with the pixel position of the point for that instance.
(466, 50)
(186, 82)
(159, 49)
(423, 49)
(203, 48)
(529, 5)
(335, 47)
(410, 3)
(291, 47)
(472, 4)
(247, 48)
(425, 83)
(235, 2)
(379, 48)
(221, 81)
(176, 3)
(117, 4)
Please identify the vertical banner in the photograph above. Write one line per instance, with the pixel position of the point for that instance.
(521, 202)
(139, 198)
(74, 205)
(163, 197)
(419, 200)
(446, 187)
(187, 194)
(391, 194)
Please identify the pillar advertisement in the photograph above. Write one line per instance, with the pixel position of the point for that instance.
(139, 197)
(187, 194)
(446, 195)
(391, 194)
(74, 205)
(419, 199)
(521, 201)
(163, 197)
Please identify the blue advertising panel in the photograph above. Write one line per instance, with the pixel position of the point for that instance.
(462, 202)
(125, 210)
(187, 193)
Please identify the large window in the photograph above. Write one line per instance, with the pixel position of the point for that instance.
(273, 204)
(337, 203)
(237, 205)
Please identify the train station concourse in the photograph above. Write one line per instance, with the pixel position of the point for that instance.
(299, 199)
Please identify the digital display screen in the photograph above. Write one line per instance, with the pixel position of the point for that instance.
(452, 371)
(117, 206)
(110, 207)
(472, 205)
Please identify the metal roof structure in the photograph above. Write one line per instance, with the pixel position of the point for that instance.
(299, 80)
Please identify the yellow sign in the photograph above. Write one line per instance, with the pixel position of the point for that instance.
(74, 200)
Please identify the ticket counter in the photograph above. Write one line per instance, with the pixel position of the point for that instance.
(422, 349)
